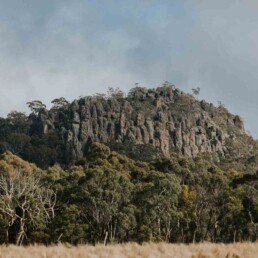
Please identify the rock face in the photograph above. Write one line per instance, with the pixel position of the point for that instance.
(165, 117)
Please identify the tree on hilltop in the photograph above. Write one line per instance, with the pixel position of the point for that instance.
(35, 106)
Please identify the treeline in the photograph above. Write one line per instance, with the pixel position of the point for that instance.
(113, 199)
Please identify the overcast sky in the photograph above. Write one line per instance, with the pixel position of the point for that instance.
(72, 48)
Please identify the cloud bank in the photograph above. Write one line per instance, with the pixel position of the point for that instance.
(55, 48)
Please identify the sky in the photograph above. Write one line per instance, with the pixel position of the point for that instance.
(64, 48)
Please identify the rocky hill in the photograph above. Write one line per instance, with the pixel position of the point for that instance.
(155, 165)
(163, 120)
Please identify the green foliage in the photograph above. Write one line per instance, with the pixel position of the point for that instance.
(70, 226)
(59, 103)
(125, 191)
(115, 199)
(98, 151)
(142, 152)
(25, 202)
(35, 106)
(183, 105)
(14, 132)
(115, 93)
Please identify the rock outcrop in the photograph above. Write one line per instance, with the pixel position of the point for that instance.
(164, 117)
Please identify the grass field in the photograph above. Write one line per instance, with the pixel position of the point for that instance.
(160, 250)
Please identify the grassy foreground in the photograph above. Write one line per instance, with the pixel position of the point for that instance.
(160, 250)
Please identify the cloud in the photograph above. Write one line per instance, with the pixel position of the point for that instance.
(67, 48)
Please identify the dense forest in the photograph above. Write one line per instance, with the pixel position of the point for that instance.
(152, 165)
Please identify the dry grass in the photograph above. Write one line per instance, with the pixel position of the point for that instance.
(160, 250)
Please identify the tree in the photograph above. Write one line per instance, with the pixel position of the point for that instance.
(115, 93)
(14, 132)
(19, 121)
(18, 135)
(35, 106)
(156, 196)
(105, 192)
(59, 103)
(196, 91)
(24, 200)
(169, 85)
(187, 208)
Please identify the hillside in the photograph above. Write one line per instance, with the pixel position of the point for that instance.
(155, 165)
(150, 122)
(114, 199)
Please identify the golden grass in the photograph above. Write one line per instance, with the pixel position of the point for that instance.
(133, 250)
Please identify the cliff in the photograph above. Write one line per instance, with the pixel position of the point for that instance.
(165, 118)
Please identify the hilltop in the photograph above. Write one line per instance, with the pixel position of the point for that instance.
(145, 124)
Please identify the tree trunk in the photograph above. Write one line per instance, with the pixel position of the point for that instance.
(194, 235)
(234, 240)
(7, 235)
(106, 236)
(21, 233)
(168, 231)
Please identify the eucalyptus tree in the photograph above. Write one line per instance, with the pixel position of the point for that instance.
(35, 106)
(24, 199)
(156, 196)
